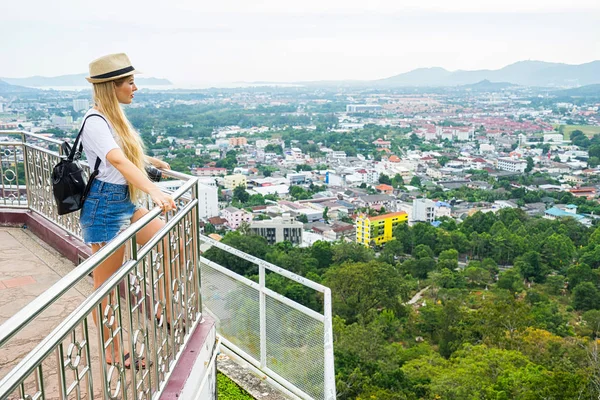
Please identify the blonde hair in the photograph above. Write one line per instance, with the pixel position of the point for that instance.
(130, 141)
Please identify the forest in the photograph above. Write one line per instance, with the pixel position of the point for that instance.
(508, 307)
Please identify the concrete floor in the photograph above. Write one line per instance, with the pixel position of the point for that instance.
(28, 267)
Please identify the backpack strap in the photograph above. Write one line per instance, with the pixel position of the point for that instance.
(75, 151)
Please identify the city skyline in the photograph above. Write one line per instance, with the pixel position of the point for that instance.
(271, 41)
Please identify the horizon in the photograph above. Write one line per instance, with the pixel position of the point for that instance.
(185, 85)
(312, 41)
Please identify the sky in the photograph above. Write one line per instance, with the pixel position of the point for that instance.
(195, 42)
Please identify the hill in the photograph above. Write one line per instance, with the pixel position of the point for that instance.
(72, 80)
(526, 73)
(6, 88)
(583, 91)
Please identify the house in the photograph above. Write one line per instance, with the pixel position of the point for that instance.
(385, 189)
(218, 222)
(235, 217)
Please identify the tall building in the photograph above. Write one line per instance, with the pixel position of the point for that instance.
(423, 210)
(208, 201)
(279, 229)
(80, 104)
(208, 198)
(378, 229)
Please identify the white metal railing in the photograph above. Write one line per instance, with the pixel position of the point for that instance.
(289, 342)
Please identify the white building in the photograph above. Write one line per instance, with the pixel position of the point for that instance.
(279, 229)
(487, 148)
(553, 138)
(423, 210)
(208, 201)
(352, 108)
(80, 104)
(512, 165)
(208, 198)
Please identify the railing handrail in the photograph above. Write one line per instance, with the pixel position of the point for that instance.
(15, 323)
(271, 267)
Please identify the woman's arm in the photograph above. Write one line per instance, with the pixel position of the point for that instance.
(158, 163)
(139, 179)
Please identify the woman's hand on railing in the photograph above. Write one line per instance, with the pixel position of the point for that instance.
(163, 200)
(160, 164)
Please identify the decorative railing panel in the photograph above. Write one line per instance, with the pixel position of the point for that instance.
(146, 309)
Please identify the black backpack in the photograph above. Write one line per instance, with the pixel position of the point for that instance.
(68, 180)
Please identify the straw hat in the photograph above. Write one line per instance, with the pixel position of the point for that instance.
(110, 68)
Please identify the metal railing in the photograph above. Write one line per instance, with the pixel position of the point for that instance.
(289, 342)
(286, 340)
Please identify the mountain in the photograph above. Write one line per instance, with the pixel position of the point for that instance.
(526, 73)
(6, 88)
(72, 80)
(583, 91)
(485, 85)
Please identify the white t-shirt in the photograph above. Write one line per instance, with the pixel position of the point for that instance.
(98, 139)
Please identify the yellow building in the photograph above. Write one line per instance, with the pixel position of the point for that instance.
(233, 181)
(378, 229)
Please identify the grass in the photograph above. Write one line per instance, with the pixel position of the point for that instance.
(588, 130)
(229, 390)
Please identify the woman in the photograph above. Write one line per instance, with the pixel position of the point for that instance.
(112, 201)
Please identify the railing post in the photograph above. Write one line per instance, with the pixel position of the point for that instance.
(262, 303)
(25, 168)
(330, 392)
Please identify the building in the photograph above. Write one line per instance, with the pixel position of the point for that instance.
(385, 189)
(238, 141)
(357, 108)
(208, 201)
(235, 217)
(233, 181)
(512, 165)
(279, 229)
(209, 171)
(423, 210)
(80, 104)
(382, 144)
(378, 230)
(553, 138)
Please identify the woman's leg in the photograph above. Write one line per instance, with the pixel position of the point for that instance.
(143, 236)
(100, 275)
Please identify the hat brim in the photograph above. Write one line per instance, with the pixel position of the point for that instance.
(112, 78)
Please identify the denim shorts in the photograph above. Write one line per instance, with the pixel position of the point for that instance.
(106, 212)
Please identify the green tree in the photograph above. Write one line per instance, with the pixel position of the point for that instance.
(383, 178)
(530, 164)
(585, 297)
(397, 181)
(361, 287)
(240, 194)
(415, 181)
(355, 252)
(592, 320)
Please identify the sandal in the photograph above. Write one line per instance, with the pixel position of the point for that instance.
(137, 362)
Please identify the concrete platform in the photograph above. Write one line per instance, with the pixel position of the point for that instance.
(28, 267)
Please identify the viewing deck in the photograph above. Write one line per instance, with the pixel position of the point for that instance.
(50, 347)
